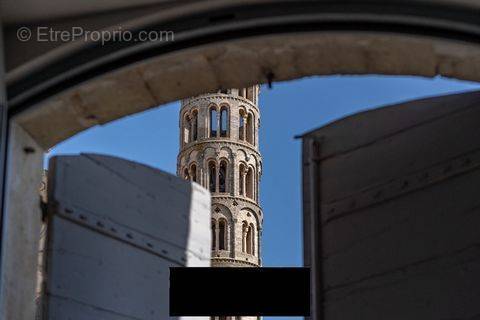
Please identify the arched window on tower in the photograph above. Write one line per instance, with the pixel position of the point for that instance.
(224, 122)
(194, 124)
(222, 234)
(244, 236)
(212, 177)
(249, 239)
(193, 172)
(222, 177)
(241, 125)
(241, 179)
(252, 238)
(214, 236)
(213, 122)
(250, 128)
(250, 182)
(186, 176)
(186, 129)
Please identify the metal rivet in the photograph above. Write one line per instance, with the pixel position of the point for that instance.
(100, 224)
(129, 236)
(149, 245)
(82, 217)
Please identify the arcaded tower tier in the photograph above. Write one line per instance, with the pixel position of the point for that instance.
(219, 150)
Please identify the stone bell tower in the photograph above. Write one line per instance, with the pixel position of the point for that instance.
(219, 150)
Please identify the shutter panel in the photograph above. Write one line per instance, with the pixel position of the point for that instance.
(392, 211)
(114, 229)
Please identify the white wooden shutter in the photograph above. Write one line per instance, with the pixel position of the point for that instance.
(114, 229)
(392, 211)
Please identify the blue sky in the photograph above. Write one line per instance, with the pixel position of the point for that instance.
(289, 109)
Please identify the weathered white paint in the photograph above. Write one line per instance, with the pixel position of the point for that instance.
(114, 229)
(397, 211)
(21, 229)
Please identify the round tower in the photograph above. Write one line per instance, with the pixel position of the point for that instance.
(219, 150)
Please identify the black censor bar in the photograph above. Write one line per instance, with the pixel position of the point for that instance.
(239, 291)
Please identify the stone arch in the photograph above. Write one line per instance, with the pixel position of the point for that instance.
(242, 155)
(224, 152)
(219, 209)
(242, 109)
(221, 212)
(224, 181)
(307, 54)
(193, 155)
(212, 105)
(182, 162)
(194, 172)
(228, 150)
(249, 232)
(208, 153)
(255, 158)
(253, 214)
